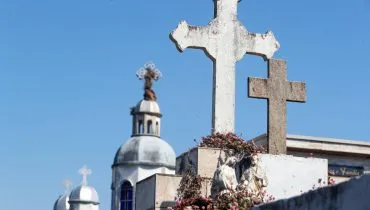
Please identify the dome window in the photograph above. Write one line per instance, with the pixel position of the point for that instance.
(157, 128)
(141, 127)
(126, 196)
(150, 127)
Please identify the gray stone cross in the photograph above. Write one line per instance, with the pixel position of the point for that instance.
(277, 90)
(225, 40)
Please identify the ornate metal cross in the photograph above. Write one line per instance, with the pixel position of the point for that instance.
(149, 73)
(84, 171)
(277, 90)
(225, 40)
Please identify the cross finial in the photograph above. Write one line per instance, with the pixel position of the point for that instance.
(149, 72)
(84, 171)
(67, 185)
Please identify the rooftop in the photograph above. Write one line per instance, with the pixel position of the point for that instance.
(330, 145)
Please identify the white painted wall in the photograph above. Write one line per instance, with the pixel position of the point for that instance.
(350, 195)
(289, 176)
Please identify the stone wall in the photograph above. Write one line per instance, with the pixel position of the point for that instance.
(290, 176)
(145, 193)
(335, 159)
(345, 153)
(353, 194)
(203, 160)
(157, 192)
(287, 175)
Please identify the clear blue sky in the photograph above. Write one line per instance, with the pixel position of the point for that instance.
(67, 80)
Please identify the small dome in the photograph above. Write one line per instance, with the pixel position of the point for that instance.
(62, 203)
(146, 150)
(84, 194)
(147, 107)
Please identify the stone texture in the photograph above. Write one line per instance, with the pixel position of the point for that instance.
(158, 190)
(225, 40)
(277, 90)
(146, 189)
(204, 160)
(287, 175)
(347, 153)
(353, 194)
(290, 176)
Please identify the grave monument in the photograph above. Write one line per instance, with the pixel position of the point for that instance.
(147, 175)
(226, 41)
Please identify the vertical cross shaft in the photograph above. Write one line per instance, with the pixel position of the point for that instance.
(225, 40)
(277, 90)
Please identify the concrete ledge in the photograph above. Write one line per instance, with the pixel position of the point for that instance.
(353, 194)
(321, 144)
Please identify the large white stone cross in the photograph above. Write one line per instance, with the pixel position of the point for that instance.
(225, 40)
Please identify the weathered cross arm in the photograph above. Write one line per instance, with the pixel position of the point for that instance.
(257, 88)
(264, 45)
(187, 36)
(296, 92)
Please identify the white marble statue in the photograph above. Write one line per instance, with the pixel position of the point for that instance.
(224, 179)
(253, 178)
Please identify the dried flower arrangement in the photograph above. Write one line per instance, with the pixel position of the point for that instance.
(189, 191)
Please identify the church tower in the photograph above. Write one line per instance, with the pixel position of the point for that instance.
(145, 153)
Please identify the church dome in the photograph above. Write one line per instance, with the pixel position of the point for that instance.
(146, 150)
(147, 106)
(84, 194)
(62, 203)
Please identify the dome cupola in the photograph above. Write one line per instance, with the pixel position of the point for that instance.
(145, 153)
(146, 147)
(62, 202)
(146, 118)
(84, 196)
(146, 115)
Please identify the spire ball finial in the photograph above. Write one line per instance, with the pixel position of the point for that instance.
(149, 72)
(84, 172)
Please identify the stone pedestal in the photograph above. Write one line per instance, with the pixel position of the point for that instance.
(287, 175)
(203, 160)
